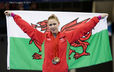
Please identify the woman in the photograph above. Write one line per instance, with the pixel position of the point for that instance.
(55, 43)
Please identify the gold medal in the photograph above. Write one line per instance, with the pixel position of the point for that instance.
(56, 60)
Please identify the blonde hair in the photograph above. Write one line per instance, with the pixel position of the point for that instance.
(53, 17)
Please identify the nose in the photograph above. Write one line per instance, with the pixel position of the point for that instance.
(53, 26)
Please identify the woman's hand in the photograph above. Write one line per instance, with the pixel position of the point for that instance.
(7, 13)
(103, 16)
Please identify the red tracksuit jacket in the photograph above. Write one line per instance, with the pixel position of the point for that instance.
(48, 39)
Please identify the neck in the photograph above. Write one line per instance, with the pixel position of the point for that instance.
(55, 34)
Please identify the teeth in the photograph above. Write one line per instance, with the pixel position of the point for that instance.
(53, 29)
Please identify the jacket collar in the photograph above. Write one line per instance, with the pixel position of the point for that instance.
(49, 35)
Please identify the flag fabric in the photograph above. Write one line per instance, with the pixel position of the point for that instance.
(20, 50)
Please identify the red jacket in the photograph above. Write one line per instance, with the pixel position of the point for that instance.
(61, 41)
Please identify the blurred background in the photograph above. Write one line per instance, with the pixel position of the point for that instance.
(96, 6)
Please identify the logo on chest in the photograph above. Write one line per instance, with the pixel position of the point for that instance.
(60, 39)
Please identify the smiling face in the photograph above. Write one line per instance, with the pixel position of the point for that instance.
(53, 24)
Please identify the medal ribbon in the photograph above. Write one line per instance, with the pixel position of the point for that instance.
(55, 47)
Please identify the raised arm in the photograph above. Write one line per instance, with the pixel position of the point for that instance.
(34, 34)
(83, 29)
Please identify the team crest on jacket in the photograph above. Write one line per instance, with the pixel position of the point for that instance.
(67, 27)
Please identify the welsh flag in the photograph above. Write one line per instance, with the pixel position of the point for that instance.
(91, 49)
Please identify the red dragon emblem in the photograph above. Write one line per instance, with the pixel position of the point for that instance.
(68, 27)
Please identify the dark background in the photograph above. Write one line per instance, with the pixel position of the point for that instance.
(51, 5)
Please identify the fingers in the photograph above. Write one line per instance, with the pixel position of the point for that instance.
(104, 15)
(7, 13)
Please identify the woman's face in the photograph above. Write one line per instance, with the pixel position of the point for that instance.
(53, 25)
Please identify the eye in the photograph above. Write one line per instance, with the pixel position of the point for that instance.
(50, 24)
(54, 23)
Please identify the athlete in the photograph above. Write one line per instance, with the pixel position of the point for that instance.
(55, 42)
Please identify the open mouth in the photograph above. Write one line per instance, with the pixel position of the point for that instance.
(53, 29)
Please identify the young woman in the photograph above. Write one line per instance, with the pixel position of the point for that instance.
(55, 42)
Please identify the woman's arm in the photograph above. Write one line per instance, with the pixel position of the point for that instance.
(83, 29)
(34, 34)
